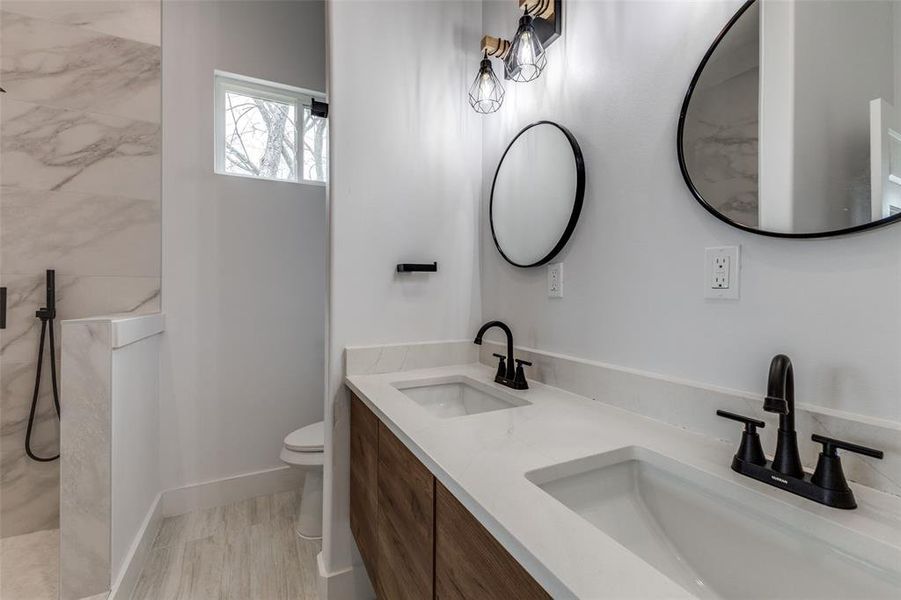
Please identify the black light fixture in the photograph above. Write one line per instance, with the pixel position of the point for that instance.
(486, 94)
(526, 59)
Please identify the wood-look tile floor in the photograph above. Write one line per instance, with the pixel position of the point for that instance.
(244, 551)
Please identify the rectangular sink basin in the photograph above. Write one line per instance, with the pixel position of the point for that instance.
(457, 396)
(708, 536)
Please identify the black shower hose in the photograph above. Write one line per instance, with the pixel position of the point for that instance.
(46, 323)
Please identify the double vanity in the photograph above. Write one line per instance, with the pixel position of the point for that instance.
(471, 477)
(463, 487)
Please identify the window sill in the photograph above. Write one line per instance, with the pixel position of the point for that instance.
(272, 179)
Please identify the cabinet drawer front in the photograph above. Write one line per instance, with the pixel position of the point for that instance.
(470, 563)
(406, 520)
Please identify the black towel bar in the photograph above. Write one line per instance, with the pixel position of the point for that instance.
(417, 267)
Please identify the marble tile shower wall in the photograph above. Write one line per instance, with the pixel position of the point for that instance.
(79, 193)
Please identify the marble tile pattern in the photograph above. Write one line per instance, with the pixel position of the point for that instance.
(30, 489)
(80, 174)
(242, 550)
(721, 129)
(137, 20)
(29, 566)
(85, 463)
(50, 148)
(363, 360)
(72, 67)
(110, 235)
(693, 407)
(76, 297)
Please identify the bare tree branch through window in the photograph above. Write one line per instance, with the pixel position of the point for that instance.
(261, 138)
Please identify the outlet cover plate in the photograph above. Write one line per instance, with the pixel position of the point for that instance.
(722, 272)
(555, 280)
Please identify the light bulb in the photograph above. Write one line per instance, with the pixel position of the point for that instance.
(486, 94)
(527, 58)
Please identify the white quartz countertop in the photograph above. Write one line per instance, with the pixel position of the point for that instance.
(483, 458)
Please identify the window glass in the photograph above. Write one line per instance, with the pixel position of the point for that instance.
(260, 137)
(267, 130)
(315, 147)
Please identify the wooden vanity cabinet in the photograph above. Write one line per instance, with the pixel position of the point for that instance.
(406, 522)
(417, 541)
(364, 456)
(470, 563)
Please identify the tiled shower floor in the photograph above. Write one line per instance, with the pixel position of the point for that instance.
(29, 566)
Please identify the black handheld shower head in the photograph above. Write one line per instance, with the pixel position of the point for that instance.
(48, 312)
(51, 290)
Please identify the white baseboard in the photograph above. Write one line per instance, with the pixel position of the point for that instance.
(137, 555)
(218, 492)
(335, 586)
(351, 583)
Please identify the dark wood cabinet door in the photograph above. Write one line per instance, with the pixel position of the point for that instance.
(406, 522)
(364, 488)
(470, 563)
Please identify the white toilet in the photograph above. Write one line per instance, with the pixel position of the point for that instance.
(304, 449)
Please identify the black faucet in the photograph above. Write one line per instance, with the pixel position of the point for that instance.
(780, 399)
(827, 485)
(507, 374)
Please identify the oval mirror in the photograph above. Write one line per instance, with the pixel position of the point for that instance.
(791, 126)
(537, 194)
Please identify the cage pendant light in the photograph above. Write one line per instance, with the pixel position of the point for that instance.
(486, 94)
(526, 59)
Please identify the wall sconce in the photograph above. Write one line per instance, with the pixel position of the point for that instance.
(486, 94)
(524, 58)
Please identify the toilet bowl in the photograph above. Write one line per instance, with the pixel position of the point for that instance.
(303, 449)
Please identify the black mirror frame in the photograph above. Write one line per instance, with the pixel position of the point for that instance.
(577, 203)
(697, 194)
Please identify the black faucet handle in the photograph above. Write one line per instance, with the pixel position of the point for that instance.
(750, 450)
(519, 379)
(501, 366)
(750, 424)
(832, 445)
(829, 474)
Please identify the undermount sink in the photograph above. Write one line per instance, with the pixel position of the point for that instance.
(457, 396)
(702, 533)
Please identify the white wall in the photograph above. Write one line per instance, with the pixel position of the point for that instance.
(135, 443)
(405, 184)
(634, 268)
(243, 259)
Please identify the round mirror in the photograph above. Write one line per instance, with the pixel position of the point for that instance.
(791, 126)
(537, 194)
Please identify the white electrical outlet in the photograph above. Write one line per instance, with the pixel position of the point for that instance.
(555, 280)
(721, 272)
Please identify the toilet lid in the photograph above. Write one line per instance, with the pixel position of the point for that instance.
(307, 439)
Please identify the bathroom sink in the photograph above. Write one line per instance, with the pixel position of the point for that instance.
(708, 536)
(457, 396)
